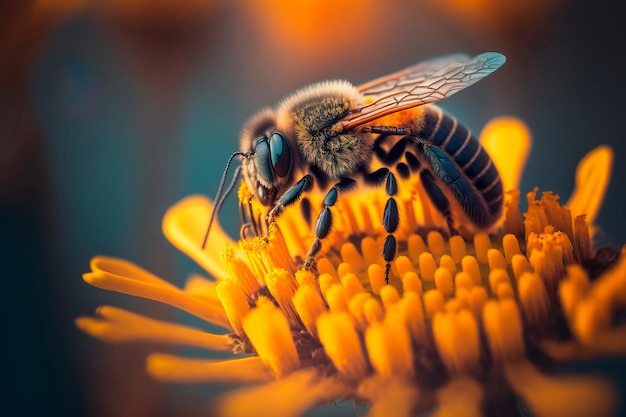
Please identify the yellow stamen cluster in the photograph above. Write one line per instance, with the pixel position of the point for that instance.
(484, 296)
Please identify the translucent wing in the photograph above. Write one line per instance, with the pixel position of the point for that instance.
(427, 82)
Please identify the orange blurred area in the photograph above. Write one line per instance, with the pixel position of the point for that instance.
(320, 28)
(509, 18)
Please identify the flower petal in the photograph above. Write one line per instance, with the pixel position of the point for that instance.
(592, 179)
(286, 397)
(567, 396)
(184, 225)
(122, 276)
(203, 288)
(462, 396)
(119, 325)
(507, 140)
(172, 368)
(389, 396)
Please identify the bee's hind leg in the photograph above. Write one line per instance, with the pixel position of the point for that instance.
(324, 221)
(438, 198)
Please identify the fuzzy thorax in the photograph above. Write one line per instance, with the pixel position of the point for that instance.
(310, 113)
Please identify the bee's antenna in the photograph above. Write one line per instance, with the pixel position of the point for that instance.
(219, 198)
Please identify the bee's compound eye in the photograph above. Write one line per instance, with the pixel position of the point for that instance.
(266, 197)
(280, 152)
(263, 159)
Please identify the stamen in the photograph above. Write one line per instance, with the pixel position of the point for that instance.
(533, 298)
(520, 264)
(342, 345)
(282, 286)
(503, 328)
(411, 283)
(337, 298)
(412, 312)
(513, 222)
(351, 255)
(427, 266)
(326, 281)
(470, 267)
(235, 303)
(269, 332)
(352, 284)
(376, 275)
(389, 347)
(457, 248)
(436, 244)
(309, 305)
(447, 262)
(416, 246)
(239, 272)
(403, 265)
(443, 281)
(371, 251)
(454, 329)
(389, 296)
(482, 244)
(463, 280)
(433, 302)
(511, 247)
(496, 259)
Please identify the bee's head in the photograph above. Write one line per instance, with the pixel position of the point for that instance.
(269, 164)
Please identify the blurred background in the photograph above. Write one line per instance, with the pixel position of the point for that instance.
(111, 111)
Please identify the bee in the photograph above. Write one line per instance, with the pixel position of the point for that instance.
(330, 132)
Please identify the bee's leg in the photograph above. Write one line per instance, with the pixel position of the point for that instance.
(305, 209)
(390, 214)
(395, 152)
(390, 223)
(291, 196)
(248, 222)
(324, 221)
(438, 198)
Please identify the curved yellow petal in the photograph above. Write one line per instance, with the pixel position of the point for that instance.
(508, 141)
(118, 325)
(389, 396)
(462, 396)
(125, 277)
(201, 287)
(592, 179)
(172, 368)
(184, 225)
(567, 396)
(289, 396)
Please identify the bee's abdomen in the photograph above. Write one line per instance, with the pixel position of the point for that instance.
(463, 165)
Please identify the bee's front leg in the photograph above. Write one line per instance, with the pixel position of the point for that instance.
(324, 221)
(291, 196)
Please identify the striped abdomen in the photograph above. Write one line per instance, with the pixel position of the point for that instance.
(461, 163)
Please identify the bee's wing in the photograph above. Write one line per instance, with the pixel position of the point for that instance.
(426, 82)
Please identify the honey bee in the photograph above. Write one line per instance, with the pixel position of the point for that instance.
(330, 132)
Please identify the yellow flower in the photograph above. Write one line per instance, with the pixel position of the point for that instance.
(465, 325)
